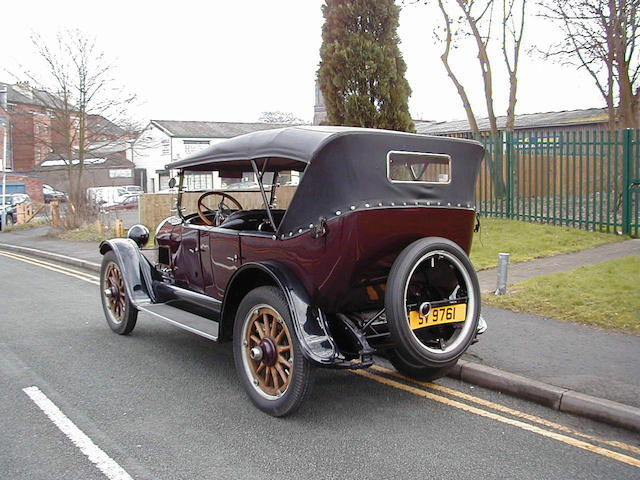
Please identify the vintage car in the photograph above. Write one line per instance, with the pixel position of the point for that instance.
(369, 257)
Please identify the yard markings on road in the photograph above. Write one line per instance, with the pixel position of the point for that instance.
(507, 410)
(419, 392)
(95, 454)
(499, 418)
(53, 267)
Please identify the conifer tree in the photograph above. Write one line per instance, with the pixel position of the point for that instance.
(361, 72)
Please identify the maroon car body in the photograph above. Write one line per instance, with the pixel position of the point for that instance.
(373, 244)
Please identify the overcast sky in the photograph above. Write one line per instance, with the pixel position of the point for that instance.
(232, 60)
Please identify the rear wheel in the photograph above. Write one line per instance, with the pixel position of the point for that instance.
(432, 303)
(267, 353)
(120, 313)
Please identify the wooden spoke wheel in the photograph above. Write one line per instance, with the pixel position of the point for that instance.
(267, 353)
(120, 313)
(267, 343)
(115, 293)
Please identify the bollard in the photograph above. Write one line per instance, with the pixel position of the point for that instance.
(503, 263)
(55, 214)
(119, 228)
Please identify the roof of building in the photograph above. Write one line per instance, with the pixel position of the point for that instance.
(522, 122)
(26, 94)
(99, 125)
(95, 160)
(197, 129)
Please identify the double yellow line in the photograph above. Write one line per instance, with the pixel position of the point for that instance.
(54, 267)
(514, 422)
(516, 418)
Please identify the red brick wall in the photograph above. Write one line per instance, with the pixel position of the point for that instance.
(33, 186)
(23, 142)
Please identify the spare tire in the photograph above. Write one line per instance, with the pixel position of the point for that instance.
(432, 302)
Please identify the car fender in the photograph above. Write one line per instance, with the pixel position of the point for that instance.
(309, 321)
(136, 270)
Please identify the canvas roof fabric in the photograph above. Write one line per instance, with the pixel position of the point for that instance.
(345, 169)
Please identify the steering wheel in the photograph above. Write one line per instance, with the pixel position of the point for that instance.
(221, 213)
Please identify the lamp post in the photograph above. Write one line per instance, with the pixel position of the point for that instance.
(3, 212)
(3, 120)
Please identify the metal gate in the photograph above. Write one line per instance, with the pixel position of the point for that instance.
(585, 179)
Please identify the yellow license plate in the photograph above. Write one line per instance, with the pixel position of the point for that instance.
(438, 316)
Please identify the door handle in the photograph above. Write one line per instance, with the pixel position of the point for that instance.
(233, 259)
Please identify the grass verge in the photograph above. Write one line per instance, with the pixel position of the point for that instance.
(36, 222)
(605, 295)
(526, 241)
(87, 233)
(90, 233)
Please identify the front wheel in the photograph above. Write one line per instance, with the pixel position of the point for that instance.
(432, 303)
(267, 353)
(120, 313)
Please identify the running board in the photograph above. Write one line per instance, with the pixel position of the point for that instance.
(194, 323)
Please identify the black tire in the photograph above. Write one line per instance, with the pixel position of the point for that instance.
(416, 370)
(269, 305)
(120, 313)
(430, 270)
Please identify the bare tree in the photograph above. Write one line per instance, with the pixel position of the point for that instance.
(479, 22)
(448, 43)
(285, 118)
(601, 37)
(87, 110)
(474, 19)
(512, 33)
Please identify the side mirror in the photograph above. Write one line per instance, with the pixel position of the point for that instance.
(172, 182)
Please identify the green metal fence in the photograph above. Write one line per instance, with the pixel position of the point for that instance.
(589, 180)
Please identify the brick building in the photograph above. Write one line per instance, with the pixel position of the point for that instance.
(31, 135)
(37, 135)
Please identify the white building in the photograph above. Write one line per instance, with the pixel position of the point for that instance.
(165, 141)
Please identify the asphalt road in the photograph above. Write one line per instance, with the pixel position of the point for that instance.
(164, 403)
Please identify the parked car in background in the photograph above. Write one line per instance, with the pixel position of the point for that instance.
(130, 202)
(9, 203)
(51, 194)
(11, 214)
(137, 189)
(102, 195)
(243, 185)
(371, 255)
(18, 198)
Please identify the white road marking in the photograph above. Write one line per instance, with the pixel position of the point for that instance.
(105, 464)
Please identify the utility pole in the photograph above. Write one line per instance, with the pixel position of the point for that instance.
(3, 120)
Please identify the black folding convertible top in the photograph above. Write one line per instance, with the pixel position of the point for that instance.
(345, 169)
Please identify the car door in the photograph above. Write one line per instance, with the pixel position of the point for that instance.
(187, 267)
(220, 260)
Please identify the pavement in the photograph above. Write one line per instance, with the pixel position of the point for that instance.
(565, 366)
(519, 272)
